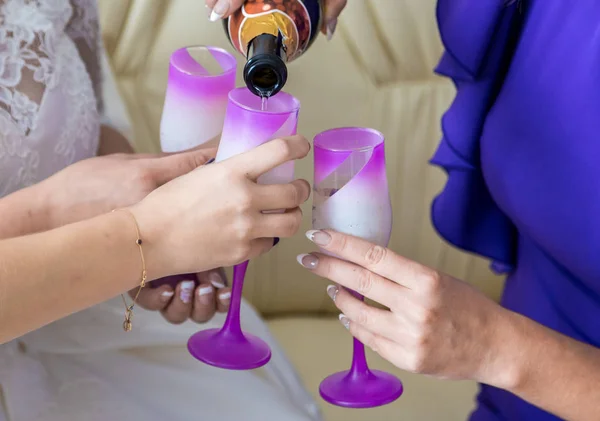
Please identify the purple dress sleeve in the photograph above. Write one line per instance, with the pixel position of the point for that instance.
(464, 213)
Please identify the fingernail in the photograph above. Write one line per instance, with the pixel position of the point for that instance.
(205, 295)
(210, 161)
(276, 241)
(216, 280)
(225, 296)
(345, 321)
(332, 291)
(166, 295)
(219, 10)
(308, 261)
(186, 291)
(320, 238)
(331, 25)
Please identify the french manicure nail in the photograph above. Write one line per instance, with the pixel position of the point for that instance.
(320, 238)
(331, 25)
(225, 296)
(345, 321)
(166, 295)
(308, 261)
(216, 281)
(205, 295)
(186, 291)
(332, 291)
(219, 10)
(205, 291)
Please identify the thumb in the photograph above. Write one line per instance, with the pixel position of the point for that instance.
(222, 8)
(167, 168)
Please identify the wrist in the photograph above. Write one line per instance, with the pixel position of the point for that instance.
(506, 365)
(158, 263)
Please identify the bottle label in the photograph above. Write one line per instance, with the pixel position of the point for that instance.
(298, 21)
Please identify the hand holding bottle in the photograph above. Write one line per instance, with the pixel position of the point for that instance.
(221, 9)
(273, 33)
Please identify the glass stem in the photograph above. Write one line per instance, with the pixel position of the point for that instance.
(232, 323)
(359, 358)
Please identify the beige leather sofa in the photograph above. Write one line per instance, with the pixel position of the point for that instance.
(377, 71)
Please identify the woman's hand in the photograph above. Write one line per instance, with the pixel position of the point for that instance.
(98, 185)
(435, 325)
(218, 214)
(220, 9)
(184, 297)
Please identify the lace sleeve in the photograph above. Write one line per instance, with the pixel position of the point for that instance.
(84, 29)
(26, 64)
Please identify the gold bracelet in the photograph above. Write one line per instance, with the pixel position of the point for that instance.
(127, 325)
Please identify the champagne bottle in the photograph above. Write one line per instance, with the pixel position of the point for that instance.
(270, 34)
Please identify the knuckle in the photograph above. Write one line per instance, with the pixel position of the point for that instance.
(293, 223)
(342, 243)
(431, 281)
(363, 317)
(145, 177)
(244, 201)
(365, 281)
(375, 255)
(283, 148)
(243, 228)
(293, 194)
(373, 342)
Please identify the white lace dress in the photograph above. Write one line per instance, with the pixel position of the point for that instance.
(84, 367)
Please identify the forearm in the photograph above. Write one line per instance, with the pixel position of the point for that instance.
(24, 212)
(46, 276)
(550, 370)
(28, 210)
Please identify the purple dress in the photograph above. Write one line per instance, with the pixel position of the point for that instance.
(521, 147)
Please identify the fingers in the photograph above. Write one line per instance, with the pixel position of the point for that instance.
(153, 299)
(282, 196)
(269, 155)
(377, 259)
(166, 168)
(223, 299)
(356, 278)
(378, 321)
(333, 8)
(221, 9)
(204, 303)
(180, 308)
(387, 349)
(282, 225)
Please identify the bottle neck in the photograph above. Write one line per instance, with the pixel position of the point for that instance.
(265, 72)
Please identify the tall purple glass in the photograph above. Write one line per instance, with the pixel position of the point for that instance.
(200, 78)
(246, 126)
(351, 196)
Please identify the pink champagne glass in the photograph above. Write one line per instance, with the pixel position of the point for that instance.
(350, 195)
(200, 78)
(248, 123)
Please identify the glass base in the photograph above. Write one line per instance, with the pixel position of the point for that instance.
(361, 390)
(229, 350)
